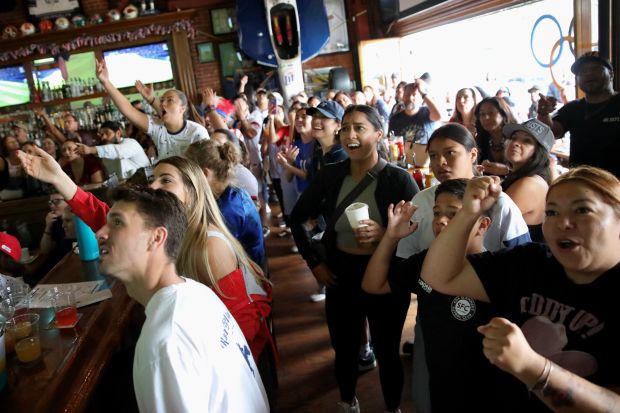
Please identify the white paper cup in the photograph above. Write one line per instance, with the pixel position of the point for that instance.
(356, 212)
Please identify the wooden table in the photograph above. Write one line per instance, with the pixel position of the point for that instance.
(73, 360)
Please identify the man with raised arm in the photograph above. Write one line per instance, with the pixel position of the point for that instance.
(594, 121)
(120, 155)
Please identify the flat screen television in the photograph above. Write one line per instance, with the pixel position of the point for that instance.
(13, 86)
(149, 63)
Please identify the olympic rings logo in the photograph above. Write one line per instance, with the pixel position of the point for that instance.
(559, 43)
(570, 39)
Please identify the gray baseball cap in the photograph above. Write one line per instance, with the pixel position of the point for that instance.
(538, 130)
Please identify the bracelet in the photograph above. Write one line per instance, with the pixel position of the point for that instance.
(152, 100)
(543, 380)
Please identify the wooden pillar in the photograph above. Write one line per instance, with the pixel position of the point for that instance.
(185, 79)
(614, 47)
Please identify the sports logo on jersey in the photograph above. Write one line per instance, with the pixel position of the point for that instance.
(463, 308)
(424, 286)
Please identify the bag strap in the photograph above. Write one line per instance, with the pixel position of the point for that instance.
(355, 192)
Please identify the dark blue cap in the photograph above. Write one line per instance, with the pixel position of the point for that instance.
(329, 109)
(590, 57)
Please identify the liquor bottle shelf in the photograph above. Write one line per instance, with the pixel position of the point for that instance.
(58, 102)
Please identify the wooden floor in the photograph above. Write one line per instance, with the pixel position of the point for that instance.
(307, 381)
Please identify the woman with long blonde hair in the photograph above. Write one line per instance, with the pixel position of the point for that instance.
(218, 162)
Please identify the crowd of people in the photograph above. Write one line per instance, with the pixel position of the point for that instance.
(510, 261)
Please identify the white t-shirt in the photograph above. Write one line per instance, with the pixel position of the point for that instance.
(123, 158)
(192, 357)
(508, 228)
(253, 144)
(246, 180)
(171, 144)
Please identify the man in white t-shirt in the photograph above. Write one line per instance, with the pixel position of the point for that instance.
(122, 156)
(191, 355)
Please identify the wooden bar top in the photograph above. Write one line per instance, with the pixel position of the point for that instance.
(73, 360)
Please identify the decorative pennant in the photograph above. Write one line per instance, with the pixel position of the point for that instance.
(89, 40)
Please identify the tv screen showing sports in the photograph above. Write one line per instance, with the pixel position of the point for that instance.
(13, 86)
(149, 63)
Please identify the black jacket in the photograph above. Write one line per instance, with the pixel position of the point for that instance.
(394, 184)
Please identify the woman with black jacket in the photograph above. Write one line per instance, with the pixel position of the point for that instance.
(347, 252)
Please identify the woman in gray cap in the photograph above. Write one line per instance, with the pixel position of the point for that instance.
(527, 154)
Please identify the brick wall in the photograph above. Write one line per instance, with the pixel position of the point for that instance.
(207, 74)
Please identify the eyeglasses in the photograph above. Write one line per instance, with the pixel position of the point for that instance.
(55, 201)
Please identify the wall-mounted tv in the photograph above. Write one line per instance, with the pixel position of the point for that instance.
(13, 86)
(149, 63)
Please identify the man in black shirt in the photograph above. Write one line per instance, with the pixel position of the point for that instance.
(594, 121)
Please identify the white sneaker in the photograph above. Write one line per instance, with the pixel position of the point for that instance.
(349, 408)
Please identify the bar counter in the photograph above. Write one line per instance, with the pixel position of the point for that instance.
(73, 360)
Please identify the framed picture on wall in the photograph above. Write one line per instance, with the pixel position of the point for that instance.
(223, 20)
(205, 52)
(229, 58)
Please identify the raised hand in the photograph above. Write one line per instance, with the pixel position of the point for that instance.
(209, 97)
(281, 159)
(399, 220)
(102, 71)
(85, 149)
(546, 104)
(50, 218)
(241, 107)
(422, 88)
(480, 194)
(147, 92)
(291, 154)
(42, 166)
